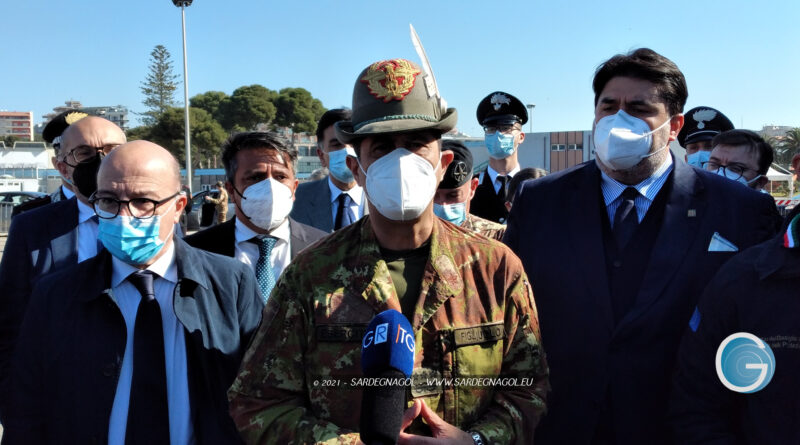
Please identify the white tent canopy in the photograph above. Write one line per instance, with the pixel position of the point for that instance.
(778, 173)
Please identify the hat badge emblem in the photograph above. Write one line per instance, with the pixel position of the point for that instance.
(390, 80)
(460, 171)
(702, 116)
(498, 100)
(71, 118)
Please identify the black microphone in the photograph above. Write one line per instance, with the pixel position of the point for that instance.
(387, 356)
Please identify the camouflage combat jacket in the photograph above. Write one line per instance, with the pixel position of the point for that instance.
(475, 317)
(489, 229)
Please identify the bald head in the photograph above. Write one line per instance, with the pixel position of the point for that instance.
(142, 159)
(92, 131)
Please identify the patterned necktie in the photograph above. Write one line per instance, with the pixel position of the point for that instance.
(264, 272)
(501, 192)
(625, 219)
(148, 412)
(344, 214)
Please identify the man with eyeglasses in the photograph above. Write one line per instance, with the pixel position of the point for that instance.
(54, 236)
(139, 344)
(502, 117)
(742, 156)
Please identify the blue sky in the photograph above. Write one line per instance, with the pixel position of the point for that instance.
(741, 57)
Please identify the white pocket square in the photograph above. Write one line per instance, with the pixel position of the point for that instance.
(720, 244)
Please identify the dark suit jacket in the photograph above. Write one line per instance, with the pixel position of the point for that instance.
(621, 373)
(221, 238)
(40, 241)
(486, 203)
(313, 206)
(71, 344)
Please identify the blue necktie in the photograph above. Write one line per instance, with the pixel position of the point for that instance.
(148, 413)
(625, 219)
(344, 214)
(264, 273)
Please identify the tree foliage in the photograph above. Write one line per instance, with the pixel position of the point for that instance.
(247, 107)
(9, 140)
(298, 109)
(159, 85)
(210, 101)
(206, 135)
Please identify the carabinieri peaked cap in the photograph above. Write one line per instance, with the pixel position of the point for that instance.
(501, 108)
(394, 96)
(59, 123)
(702, 124)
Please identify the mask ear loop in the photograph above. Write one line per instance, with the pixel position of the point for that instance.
(237, 204)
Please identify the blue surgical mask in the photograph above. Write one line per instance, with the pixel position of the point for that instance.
(132, 240)
(337, 164)
(500, 145)
(742, 180)
(453, 213)
(698, 158)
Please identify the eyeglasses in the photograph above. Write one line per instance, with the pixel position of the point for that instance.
(139, 208)
(505, 129)
(84, 153)
(731, 171)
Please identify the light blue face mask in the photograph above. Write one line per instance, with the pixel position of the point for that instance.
(337, 164)
(134, 241)
(741, 180)
(500, 145)
(698, 158)
(452, 213)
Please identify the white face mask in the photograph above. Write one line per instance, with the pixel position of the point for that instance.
(267, 203)
(401, 184)
(621, 141)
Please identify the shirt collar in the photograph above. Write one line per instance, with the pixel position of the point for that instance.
(84, 212)
(493, 173)
(355, 192)
(648, 188)
(164, 267)
(67, 192)
(245, 234)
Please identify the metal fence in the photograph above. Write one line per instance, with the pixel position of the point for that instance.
(5, 216)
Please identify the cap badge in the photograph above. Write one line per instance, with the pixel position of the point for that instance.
(390, 79)
(71, 118)
(499, 99)
(460, 171)
(703, 115)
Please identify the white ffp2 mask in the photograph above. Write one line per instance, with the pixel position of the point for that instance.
(267, 203)
(622, 141)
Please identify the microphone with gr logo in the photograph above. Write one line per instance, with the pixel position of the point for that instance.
(387, 357)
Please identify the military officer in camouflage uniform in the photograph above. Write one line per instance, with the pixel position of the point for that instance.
(451, 202)
(220, 203)
(467, 297)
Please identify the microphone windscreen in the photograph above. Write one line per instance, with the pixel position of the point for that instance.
(388, 345)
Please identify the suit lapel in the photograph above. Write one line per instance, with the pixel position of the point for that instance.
(682, 216)
(64, 234)
(585, 224)
(321, 207)
(227, 239)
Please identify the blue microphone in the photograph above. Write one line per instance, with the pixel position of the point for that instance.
(387, 355)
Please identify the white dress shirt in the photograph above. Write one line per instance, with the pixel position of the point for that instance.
(127, 298)
(356, 200)
(87, 232)
(493, 176)
(247, 252)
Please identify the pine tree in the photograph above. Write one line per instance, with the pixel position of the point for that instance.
(159, 86)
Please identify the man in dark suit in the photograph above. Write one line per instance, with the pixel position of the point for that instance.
(260, 170)
(140, 345)
(502, 117)
(336, 201)
(54, 236)
(618, 251)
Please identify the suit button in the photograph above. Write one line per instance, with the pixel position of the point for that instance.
(617, 263)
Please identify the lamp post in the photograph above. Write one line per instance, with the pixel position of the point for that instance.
(530, 117)
(187, 143)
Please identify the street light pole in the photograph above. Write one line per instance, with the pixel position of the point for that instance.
(187, 140)
(530, 117)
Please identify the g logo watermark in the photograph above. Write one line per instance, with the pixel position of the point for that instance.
(745, 363)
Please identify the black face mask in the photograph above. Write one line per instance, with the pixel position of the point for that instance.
(84, 176)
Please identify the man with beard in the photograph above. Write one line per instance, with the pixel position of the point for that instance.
(260, 169)
(619, 249)
(54, 236)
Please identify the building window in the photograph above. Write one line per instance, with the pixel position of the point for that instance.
(558, 147)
